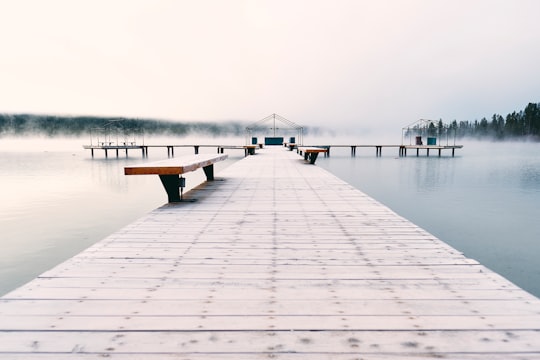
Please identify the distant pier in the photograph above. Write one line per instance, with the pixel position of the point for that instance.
(112, 147)
(402, 149)
(274, 259)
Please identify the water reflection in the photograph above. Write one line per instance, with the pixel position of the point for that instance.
(530, 176)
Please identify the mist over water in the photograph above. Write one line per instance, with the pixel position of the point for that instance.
(57, 200)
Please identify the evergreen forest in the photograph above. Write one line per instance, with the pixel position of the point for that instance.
(524, 124)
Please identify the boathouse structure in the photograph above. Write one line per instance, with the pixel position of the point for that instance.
(278, 124)
(274, 258)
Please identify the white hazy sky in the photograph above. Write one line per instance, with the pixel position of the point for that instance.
(355, 64)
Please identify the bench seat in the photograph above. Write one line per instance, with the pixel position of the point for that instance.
(291, 146)
(310, 153)
(250, 149)
(169, 170)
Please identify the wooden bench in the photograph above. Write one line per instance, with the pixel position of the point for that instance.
(310, 153)
(291, 146)
(250, 149)
(169, 171)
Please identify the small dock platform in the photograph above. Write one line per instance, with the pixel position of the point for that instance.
(276, 259)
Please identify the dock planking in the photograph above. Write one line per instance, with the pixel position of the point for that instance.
(276, 259)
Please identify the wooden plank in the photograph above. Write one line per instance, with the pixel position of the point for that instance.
(267, 320)
(283, 307)
(214, 344)
(197, 289)
(250, 356)
(136, 270)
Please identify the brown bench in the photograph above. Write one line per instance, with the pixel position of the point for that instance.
(250, 149)
(291, 146)
(169, 171)
(310, 153)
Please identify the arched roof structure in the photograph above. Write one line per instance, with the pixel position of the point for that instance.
(277, 122)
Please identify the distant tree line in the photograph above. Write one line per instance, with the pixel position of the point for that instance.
(516, 125)
(524, 124)
(28, 124)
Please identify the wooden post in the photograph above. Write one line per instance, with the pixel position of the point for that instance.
(403, 151)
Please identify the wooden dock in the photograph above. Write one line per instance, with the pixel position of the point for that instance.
(117, 148)
(276, 259)
(249, 149)
(402, 149)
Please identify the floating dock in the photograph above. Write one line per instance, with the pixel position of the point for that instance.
(276, 259)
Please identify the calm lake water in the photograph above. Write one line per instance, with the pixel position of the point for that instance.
(57, 200)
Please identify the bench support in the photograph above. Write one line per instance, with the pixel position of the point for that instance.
(209, 172)
(171, 183)
(311, 153)
(311, 156)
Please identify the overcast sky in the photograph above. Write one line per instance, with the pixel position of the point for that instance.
(357, 64)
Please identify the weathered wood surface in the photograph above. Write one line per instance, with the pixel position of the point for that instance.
(175, 166)
(275, 259)
(312, 149)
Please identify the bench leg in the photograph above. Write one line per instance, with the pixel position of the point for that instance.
(171, 183)
(209, 172)
(313, 157)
